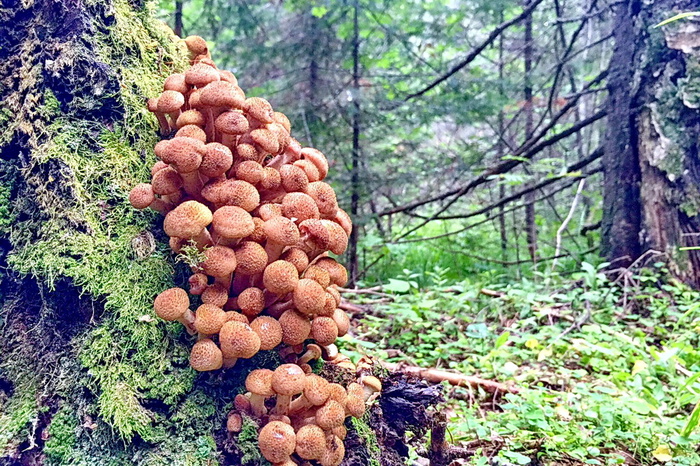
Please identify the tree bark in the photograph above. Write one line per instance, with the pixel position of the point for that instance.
(651, 160)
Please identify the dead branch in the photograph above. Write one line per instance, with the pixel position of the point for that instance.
(436, 376)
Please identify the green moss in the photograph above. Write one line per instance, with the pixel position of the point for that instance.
(248, 444)
(17, 414)
(369, 437)
(62, 438)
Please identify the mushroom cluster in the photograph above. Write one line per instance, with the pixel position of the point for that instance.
(249, 204)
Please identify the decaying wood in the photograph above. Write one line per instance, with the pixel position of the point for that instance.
(437, 375)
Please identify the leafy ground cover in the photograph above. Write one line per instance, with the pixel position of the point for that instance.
(608, 369)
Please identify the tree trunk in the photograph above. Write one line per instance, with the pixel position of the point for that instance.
(88, 375)
(530, 214)
(651, 160)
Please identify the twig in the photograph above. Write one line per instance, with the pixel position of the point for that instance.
(566, 221)
(437, 376)
(373, 291)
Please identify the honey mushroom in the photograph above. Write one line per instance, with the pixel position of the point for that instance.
(234, 183)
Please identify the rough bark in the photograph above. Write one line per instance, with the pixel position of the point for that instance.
(88, 375)
(652, 169)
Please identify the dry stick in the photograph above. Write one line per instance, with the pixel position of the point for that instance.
(566, 221)
(460, 380)
(476, 51)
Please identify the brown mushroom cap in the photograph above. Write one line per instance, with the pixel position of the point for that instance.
(355, 406)
(295, 327)
(271, 179)
(215, 294)
(339, 276)
(277, 441)
(324, 330)
(293, 178)
(330, 415)
(209, 319)
(342, 320)
(170, 101)
(269, 330)
(233, 122)
(281, 119)
(198, 283)
(258, 235)
(268, 211)
(238, 340)
(259, 382)
(266, 140)
(176, 82)
(316, 157)
(251, 301)
(259, 108)
(250, 171)
(335, 452)
(171, 304)
(325, 198)
(242, 194)
(220, 261)
(310, 442)
(297, 257)
(184, 153)
(222, 94)
(205, 356)
(281, 230)
(251, 258)
(216, 161)
(309, 168)
(316, 389)
(309, 297)
(335, 293)
(187, 220)
(232, 222)
(319, 275)
(246, 151)
(288, 379)
(190, 117)
(299, 206)
(166, 181)
(233, 316)
(343, 219)
(141, 195)
(337, 393)
(196, 45)
(200, 75)
(193, 132)
(280, 277)
(226, 75)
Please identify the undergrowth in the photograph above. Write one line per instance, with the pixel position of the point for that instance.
(609, 370)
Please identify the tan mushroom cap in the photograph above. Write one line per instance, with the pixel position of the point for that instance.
(192, 131)
(196, 45)
(184, 153)
(339, 239)
(250, 171)
(310, 442)
(309, 297)
(338, 273)
(234, 422)
(330, 415)
(282, 136)
(200, 75)
(280, 277)
(309, 168)
(205, 356)
(324, 330)
(343, 219)
(271, 179)
(297, 257)
(371, 385)
(337, 393)
(329, 306)
(159, 165)
(335, 452)
(296, 327)
(232, 222)
(242, 194)
(222, 94)
(238, 340)
(316, 157)
(259, 108)
(293, 178)
(319, 275)
(233, 316)
(251, 257)
(269, 330)
(355, 406)
(268, 211)
(299, 206)
(161, 148)
(170, 101)
(176, 82)
(166, 181)
(342, 320)
(226, 75)
(216, 161)
(335, 293)
(251, 301)
(190, 117)
(220, 261)
(171, 304)
(266, 140)
(316, 389)
(281, 230)
(258, 235)
(259, 382)
(288, 379)
(215, 294)
(246, 151)
(233, 122)
(325, 198)
(281, 119)
(277, 441)
(141, 195)
(209, 319)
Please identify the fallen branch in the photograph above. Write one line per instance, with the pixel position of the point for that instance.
(460, 380)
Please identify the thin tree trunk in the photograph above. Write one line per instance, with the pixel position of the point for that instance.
(353, 261)
(500, 149)
(178, 18)
(530, 214)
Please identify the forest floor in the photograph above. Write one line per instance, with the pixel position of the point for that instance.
(606, 371)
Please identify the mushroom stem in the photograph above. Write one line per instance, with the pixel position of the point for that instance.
(161, 206)
(257, 403)
(229, 363)
(193, 184)
(282, 406)
(187, 320)
(273, 250)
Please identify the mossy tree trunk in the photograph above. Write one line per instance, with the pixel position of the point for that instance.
(88, 376)
(651, 196)
(652, 201)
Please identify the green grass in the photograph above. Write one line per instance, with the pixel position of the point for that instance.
(622, 385)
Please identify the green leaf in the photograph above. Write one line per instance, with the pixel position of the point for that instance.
(319, 11)
(502, 339)
(687, 14)
(397, 286)
(693, 421)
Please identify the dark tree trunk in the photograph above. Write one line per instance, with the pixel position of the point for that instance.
(355, 188)
(651, 160)
(530, 213)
